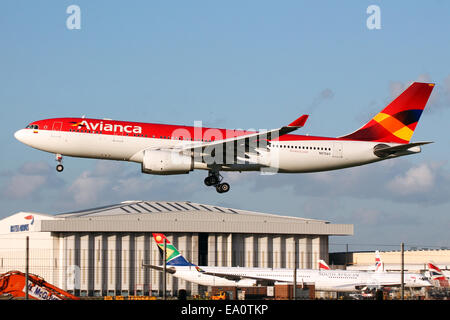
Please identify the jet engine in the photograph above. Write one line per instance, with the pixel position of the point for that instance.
(165, 162)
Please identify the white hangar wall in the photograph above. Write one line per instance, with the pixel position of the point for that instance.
(101, 251)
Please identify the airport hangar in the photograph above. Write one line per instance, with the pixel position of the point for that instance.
(101, 251)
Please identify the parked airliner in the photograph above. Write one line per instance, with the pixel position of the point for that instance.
(172, 149)
(323, 279)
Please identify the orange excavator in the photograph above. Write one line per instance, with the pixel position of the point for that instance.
(12, 284)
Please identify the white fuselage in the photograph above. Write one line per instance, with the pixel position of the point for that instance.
(290, 156)
(324, 280)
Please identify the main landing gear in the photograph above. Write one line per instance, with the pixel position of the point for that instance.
(215, 179)
(59, 167)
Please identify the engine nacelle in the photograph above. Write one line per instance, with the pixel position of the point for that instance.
(165, 162)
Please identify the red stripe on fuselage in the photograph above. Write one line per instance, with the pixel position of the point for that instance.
(155, 130)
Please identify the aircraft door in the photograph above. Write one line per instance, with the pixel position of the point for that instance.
(337, 150)
(56, 129)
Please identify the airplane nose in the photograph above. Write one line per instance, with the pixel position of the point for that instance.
(20, 135)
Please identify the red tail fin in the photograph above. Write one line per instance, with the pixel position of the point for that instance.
(396, 123)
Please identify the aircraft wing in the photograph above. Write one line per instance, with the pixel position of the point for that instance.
(384, 151)
(249, 141)
(236, 277)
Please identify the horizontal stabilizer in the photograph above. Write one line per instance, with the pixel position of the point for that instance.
(383, 150)
(159, 268)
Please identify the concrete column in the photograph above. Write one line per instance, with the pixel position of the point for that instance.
(221, 250)
(62, 262)
(290, 252)
(84, 263)
(184, 247)
(305, 252)
(317, 250)
(113, 265)
(155, 276)
(139, 252)
(84, 247)
(264, 252)
(148, 238)
(249, 251)
(55, 256)
(100, 263)
(194, 244)
(171, 281)
(125, 264)
(229, 250)
(279, 252)
(193, 257)
(71, 272)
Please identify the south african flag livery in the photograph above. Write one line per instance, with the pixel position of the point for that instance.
(396, 123)
(173, 256)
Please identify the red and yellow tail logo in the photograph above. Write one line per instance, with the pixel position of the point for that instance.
(396, 123)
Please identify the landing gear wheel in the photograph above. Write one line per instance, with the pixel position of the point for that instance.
(59, 159)
(223, 187)
(214, 179)
(211, 181)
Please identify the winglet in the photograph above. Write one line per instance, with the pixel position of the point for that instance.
(300, 122)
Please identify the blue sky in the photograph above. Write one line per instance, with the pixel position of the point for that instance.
(234, 64)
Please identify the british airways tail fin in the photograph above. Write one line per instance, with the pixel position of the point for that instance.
(379, 265)
(397, 121)
(323, 265)
(435, 272)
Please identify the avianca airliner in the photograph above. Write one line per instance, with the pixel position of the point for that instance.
(172, 149)
(324, 279)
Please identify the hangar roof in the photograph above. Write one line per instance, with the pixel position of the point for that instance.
(185, 216)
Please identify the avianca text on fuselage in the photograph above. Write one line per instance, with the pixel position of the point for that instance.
(164, 149)
(108, 127)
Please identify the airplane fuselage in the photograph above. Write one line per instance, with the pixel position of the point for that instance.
(127, 141)
(170, 149)
(324, 280)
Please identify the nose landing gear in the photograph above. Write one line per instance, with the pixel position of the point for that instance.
(215, 179)
(59, 167)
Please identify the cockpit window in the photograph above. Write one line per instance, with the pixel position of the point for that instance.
(32, 126)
